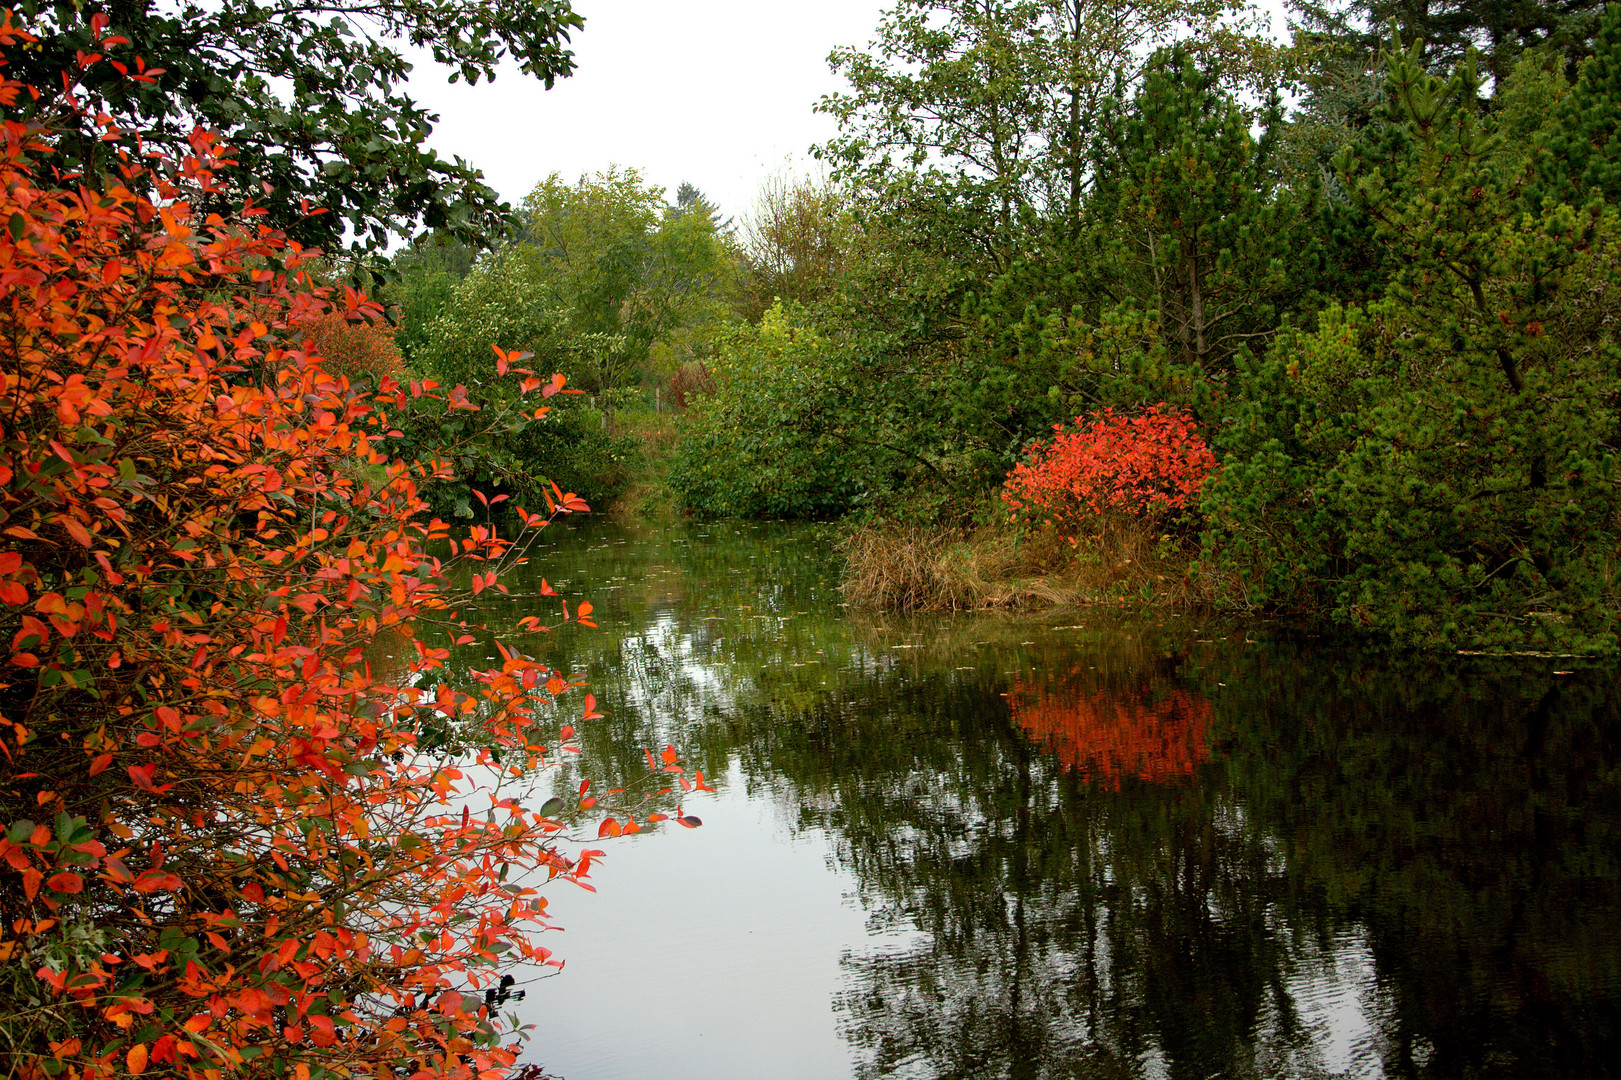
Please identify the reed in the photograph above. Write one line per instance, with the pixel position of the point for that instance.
(995, 567)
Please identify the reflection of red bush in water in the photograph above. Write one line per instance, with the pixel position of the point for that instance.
(1109, 736)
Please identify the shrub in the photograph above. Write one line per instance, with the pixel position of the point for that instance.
(222, 850)
(691, 379)
(1145, 466)
(776, 439)
(361, 351)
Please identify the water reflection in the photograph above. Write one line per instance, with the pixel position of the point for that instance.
(1109, 735)
(1122, 849)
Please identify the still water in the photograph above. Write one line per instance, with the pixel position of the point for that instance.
(1078, 844)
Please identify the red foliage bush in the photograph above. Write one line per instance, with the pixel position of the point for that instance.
(222, 850)
(691, 379)
(1144, 466)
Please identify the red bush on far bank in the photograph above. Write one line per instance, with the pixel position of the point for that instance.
(1144, 466)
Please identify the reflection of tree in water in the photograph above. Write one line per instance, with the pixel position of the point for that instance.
(1429, 860)
(1066, 929)
(1180, 862)
(1107, 735)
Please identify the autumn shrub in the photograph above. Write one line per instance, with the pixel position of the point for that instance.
(222, 851)
(361, 351)
(690, 380)
(1147, 466)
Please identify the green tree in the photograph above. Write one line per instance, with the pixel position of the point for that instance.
(776, 438)
(994, 104)
(1582, 156)
(793, 245)
(690, 200)
(508, 296)
(420, 283)
(1195, 225)
(309, 93)
(631, 270)
(1439, 464)
(1447, 29)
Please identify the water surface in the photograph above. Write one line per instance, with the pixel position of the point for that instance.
(1084, 844)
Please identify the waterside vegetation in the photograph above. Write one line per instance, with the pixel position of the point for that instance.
(1078, 312)
(1383, 318)
(1387, 315)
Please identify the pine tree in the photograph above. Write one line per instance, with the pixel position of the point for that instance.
(1582, 156)
(1501, 30)
(1200, 226)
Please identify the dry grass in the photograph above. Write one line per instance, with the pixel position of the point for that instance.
(917, 570)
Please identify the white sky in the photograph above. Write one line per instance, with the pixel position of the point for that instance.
(715, 92)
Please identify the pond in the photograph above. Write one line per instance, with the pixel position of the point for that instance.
(1085, 843)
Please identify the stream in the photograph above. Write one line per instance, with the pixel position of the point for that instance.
(1076, 843)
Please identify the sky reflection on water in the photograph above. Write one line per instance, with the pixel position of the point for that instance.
(1138, 847)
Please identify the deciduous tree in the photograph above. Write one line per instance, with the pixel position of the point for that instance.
(222, 848)
(310, 94)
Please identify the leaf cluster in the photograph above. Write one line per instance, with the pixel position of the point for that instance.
(226, 616)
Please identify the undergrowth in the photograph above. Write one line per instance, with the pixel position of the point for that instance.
(995, 566)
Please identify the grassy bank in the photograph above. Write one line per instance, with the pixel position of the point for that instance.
(995, 567)
(645, 496)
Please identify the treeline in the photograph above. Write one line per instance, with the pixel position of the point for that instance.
(1390, 307)
(1387, 304)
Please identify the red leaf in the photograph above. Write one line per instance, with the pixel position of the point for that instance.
(142, 776)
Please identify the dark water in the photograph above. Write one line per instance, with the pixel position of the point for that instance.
(1090, 844)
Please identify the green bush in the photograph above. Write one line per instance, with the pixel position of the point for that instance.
(775, 437)
(1439, 465)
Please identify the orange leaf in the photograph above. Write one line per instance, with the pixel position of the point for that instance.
(136, 1058)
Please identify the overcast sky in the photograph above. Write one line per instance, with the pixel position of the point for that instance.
(715, 92)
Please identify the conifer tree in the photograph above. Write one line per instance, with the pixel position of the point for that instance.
(1582, 159)
(1449, 477)
(1199, 229)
